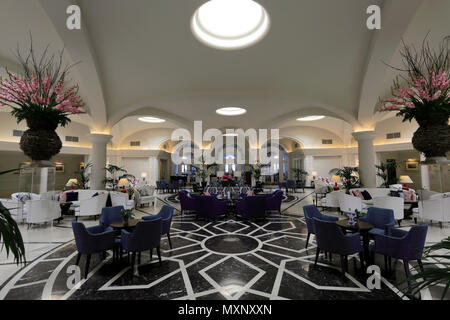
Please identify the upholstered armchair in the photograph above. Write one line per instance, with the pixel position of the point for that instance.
(186, 201)
(91, 240)
(273, 202)
(165, 214)
(92, 206)
(290, 185)
(121, 199)
(42, 211)
(434, 206)
(145, 236)
(330, 238)
(111, 215)
(397, 204)
(311, 212)
(253, 207)
(382, 220)
(402, 245)
(209, 207)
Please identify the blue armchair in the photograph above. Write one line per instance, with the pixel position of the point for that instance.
(210, 207)
(186, 201)
(311, 212)
(91, 240)
(165, 214)
(382, 220)
(145, 236)
(273, 202)
(110, 215)
(402, 245)
(290, 184)
(253, 207)
(330, 238)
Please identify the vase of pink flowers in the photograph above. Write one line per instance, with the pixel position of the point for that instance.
(423, 94)
(39, 96)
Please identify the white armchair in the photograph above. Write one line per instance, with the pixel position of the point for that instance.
(121, 199)
(397, 204)
(332, 199)
(92, 206)
(434, 206)
(15, 207)
(149, 196)
(42, 211)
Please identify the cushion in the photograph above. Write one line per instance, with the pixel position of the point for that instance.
(143, 192)
(394, 193)
(71, 196)
(366, 195)
(95, 194)
(358, 194)
(206, 193)
(62, 197)
(249, 193)
(409, 195)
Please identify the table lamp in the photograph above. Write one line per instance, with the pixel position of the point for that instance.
(143, 176)
(72, 183)
(123, 182)
(405, 180)
(336, 179)
(314, 174)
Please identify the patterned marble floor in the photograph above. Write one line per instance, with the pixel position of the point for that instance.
(227, 259)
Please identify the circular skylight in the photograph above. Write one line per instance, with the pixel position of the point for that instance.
(231, 111)
(230, 24)
(151, 120)
(311, 118)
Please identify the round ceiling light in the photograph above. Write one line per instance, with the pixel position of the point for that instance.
(230, 24)
(230, 135)
(231, 111)
(311, 118)
(151, 119)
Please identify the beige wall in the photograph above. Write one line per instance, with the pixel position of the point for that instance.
(9, 183)
(402, 157)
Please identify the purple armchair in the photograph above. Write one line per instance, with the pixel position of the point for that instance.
(252, 207)
(209, 207)
(330, 238)
(273, 202)
(96, 239)
(186, 201)
(145, 236)
(402, 245)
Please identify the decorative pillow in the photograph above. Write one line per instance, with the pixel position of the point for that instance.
(395, 193)
(143, 192)
(71, 196)
(358, 194)
(62, 197)
(366, 195)
(206, 193)
(409, 195)
(95, 194)
(249, 193)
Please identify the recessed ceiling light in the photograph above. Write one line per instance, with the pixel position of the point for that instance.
(230, 135)
(151, 119)
(230, 24)
(231, 111)
(311, 118)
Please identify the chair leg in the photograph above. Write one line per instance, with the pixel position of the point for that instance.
(151, 254)
(399, 223)
(406, 266)
(88, 261)
(170, 242)
(386, 264)
(307, 240)
(78, 259)
(419, 261)
(317, 255)
(361, 259)
(342, 264)
(139, 257)
(159, 255)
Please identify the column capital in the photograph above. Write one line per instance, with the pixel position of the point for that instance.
(364, 135)
(99, 137)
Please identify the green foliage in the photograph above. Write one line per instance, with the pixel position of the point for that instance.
(114, 170)
(299, 173)
(349, 177)
(203, 169)
(10, 235)
(84, 176)
(126, 214)
(383, 172)
(255, 170)
(432, 274)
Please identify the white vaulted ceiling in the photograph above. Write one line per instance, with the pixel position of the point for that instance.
(139, 57)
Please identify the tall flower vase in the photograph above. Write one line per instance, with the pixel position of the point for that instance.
(433, 136)
(40, 141)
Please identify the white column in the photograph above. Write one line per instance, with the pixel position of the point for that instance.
(366, 155)
(424, 174)
(308, 165)
(153, 170)
(98, 158)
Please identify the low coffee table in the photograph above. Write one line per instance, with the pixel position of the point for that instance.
(363, 228)
(122, 225)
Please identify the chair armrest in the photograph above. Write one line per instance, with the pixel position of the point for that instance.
(398, 233)
(364, 219)
(329, 218)
(150, 218)
(388, 227)
(95, 229)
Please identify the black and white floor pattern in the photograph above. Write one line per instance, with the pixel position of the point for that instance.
(226, 259)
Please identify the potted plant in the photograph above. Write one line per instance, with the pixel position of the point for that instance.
(39, 96)
(203, 170)
(84, 176)
(384, 172)
(349, 177)
(424, 96)
(126, 215)
(113, 179)
(10, 234)
(255, 170)
(299, 174)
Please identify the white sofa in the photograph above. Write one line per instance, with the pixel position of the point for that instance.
(15, 208)
(434, 206)
(332, 199)
(121, 199)
(90, 206)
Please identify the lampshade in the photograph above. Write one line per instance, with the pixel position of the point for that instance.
(314, 173)
(335, 179)
(143, 174)
(72, 183)
(123, 182)
(405, 179)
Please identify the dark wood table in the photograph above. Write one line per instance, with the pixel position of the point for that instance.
(122, 225)
(363, 228)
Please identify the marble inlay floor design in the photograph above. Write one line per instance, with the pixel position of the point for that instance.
(225, 259)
